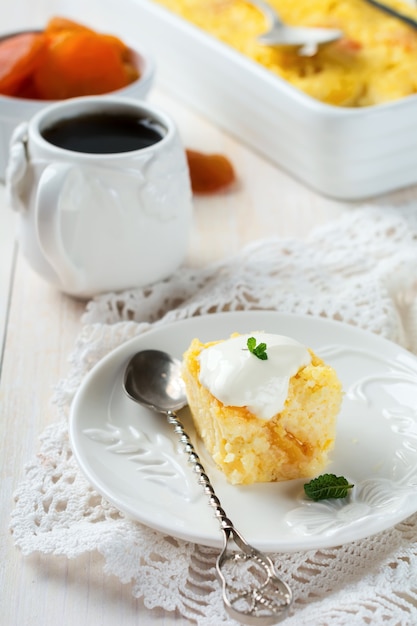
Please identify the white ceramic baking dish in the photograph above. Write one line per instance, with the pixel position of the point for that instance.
(344, 153)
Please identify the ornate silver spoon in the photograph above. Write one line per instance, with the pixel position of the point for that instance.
(153, 379)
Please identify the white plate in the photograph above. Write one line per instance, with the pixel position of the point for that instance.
(131, 455)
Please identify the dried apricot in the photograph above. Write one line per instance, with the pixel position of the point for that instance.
(79, 63)
(19, 57)
(209, 173)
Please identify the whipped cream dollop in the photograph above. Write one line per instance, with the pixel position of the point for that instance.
(237, 377)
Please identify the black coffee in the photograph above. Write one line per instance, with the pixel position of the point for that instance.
(104, 133)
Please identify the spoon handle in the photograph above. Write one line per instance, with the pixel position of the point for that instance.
(269, 12)
(393, 12)
(252, 592)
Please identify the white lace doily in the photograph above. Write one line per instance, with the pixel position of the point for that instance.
(361, 270)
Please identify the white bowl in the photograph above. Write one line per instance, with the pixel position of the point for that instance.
(344, 153)
(16, 110)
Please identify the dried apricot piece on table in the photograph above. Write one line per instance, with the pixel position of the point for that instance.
(19, 57)
(209, 173)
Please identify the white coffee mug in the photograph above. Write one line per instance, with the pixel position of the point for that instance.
(92, 222)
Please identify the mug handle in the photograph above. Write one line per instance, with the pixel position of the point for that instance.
(48, 225)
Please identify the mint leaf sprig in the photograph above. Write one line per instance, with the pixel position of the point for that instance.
(327, 486)
(258, 350)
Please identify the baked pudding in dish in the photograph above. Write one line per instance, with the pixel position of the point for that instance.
(374, 62)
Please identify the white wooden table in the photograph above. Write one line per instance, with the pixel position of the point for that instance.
(40, 325)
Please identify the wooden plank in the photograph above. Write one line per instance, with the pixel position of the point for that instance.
(7, 259)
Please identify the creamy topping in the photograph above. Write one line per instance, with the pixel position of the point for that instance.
(237, 377)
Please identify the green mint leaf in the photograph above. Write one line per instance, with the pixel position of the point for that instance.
(258, 350)
(327, 486)
(251, 343)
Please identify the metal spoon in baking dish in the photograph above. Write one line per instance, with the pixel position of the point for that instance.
(153, 379)
(306, 39)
